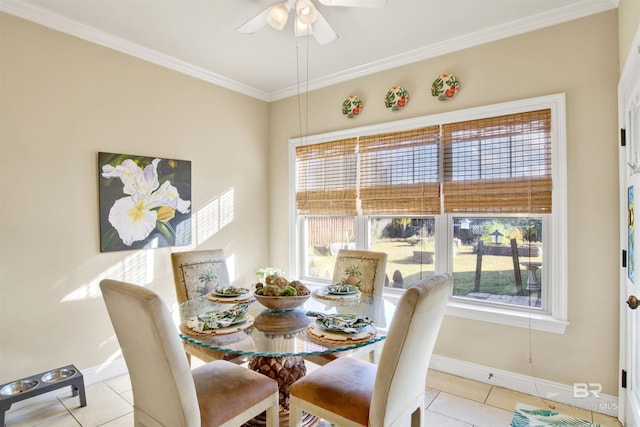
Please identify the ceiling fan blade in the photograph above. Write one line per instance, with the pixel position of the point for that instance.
(355, 3)
(322, 31)
(255, 23)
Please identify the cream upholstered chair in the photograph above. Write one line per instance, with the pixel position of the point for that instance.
(166, 392)
(352, 392)
(195, 273)
(371, 267)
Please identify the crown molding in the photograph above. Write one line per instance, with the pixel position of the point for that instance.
(513, 28)
(77, 29)
(524, 25)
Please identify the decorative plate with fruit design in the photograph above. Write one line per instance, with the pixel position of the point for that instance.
(445, 87)
(352, 106)
(396, 98)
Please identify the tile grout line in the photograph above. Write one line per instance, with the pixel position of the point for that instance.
(58, 398)
(484, 402)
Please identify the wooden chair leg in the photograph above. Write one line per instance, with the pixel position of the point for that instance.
(417, 418)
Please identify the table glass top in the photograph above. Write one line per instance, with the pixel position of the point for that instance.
(284, 333)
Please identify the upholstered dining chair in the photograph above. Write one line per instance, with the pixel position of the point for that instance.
(166, 392)
(195, 273)
(369, 269)
(352, 392)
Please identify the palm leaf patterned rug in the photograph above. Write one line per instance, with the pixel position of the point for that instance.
(529, 416)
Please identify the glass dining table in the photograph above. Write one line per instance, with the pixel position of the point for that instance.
(277, 343)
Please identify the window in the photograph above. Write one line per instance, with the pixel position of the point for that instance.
(496, 259)
(479, 193)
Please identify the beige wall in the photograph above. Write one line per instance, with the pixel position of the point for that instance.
(628, 20)
(63, 100)
(579, 58)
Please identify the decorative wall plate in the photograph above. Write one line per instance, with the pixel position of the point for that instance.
(396, 98)
(352, 106)
(445, 87)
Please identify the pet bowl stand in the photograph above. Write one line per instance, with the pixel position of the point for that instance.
(44, 382)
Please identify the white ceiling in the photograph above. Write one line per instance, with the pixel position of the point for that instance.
(199, 37)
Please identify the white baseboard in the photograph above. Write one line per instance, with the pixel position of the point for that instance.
(91, 376)
(106, 371)
(563, 393)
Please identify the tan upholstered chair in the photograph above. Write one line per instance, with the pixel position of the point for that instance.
(166, 392)
(351, 392)
(371, 266)
(195, 273)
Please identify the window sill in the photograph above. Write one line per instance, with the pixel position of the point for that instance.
(523, 319)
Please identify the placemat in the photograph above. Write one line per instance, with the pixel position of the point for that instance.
(338, 338)
(222, 331)
(248, 297)
(324, 294)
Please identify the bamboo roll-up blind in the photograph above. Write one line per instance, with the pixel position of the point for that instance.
(399, 172)
(498, 164)
(326, 178)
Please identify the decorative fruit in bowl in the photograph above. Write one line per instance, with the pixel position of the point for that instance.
(277, 293)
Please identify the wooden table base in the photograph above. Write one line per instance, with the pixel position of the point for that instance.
(285, 370)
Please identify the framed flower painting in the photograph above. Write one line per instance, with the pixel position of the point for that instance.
(145, 202)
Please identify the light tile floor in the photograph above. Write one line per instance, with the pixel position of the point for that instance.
(451, 402)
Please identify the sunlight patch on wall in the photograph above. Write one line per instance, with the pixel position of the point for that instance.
(107, 363)
(207, 223)
(112, 339)
(226, 208)
(213, 216)
(136, 268)
(231, 267)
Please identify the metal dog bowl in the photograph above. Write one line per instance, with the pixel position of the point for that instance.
(58, 375)
(18, 387)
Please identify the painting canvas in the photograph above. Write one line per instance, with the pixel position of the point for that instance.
(630, 231)
(145, 202)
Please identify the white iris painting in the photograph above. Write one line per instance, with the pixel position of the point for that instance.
(145, 202)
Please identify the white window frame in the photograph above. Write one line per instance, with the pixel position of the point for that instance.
(554, 315)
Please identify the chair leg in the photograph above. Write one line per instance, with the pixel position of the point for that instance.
(374, 354)
(295, 416)
(273, 414)
(417, 418)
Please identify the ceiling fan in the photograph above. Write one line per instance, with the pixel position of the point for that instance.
(308, 19)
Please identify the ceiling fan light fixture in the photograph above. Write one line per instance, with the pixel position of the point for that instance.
(306, 12)
(302, 29)
(277, 16)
